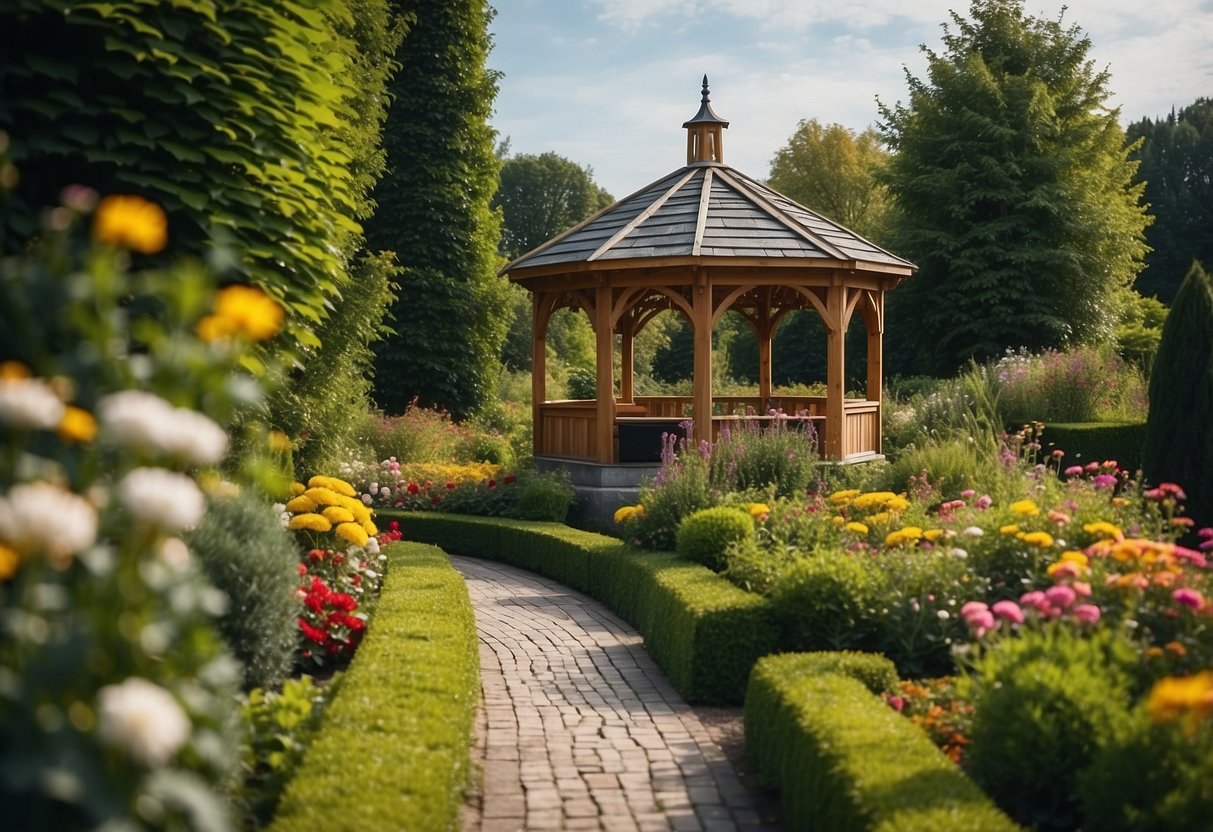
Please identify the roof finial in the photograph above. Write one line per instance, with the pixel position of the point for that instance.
(704, 136)
(705, 99)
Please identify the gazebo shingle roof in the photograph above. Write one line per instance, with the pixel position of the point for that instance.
(705, 209)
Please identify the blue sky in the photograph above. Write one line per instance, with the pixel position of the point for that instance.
(608, 83)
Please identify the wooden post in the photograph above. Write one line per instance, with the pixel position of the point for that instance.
(765, 333)
(874, 323)
(836, 379)
(605, 428)
(539, 370)
(626, 358)
(701, 376)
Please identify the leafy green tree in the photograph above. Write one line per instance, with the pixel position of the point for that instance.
(541, 196)
(833, 170)
(1178, 444)
(434, 212)
(1015, 192)
(227, 114)
(1176, 156)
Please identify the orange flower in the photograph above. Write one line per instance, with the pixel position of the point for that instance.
(77, 425)
(129, 221)
(241, 311)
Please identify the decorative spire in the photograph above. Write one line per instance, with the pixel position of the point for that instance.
(705, 132)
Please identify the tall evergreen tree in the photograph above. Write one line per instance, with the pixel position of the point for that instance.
(1176, 155)
(1015, 191)
(1179, 430)
(541, 196)
(433, 211)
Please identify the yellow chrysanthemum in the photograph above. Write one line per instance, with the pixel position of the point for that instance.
(353, 532)
(297, 488)
(839, 498)
(896, 503)
(933, 534)
(369, 527)
(1025, 508)
(77, 425)
(759, 509)
(1041, 540)
(624, 513)
(906, 534)
(278, 441)
(1104, 530)
(880, 518)
(1182, 697)
(9, 561)
(1009, 528)
(338, 514)
(310, 522)
(132, 222)
(838, 520)
(333, 484)
(872, 499)
(301, 505)
(323, 496)
(241, 312)
(857, 527)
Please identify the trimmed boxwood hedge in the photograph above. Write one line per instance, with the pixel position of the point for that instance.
(844, 760)
(1086, 442)
(703, 631)
(393, 751)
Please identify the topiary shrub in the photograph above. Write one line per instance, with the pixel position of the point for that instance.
(543, 496)
(246, 553)
(1178, 444)
(705, 535)
(1046, 704)
(824, 602)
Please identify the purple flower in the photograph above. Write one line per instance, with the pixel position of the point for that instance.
(1188, 597)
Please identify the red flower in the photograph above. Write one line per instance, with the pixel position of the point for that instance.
(492, 483)
(450, 486)
(436, 500)
(312, 633)
(338, 558)
(395, 525)
(342, 601)
(510, 479)
(316, 554)
(413, 489)
(303, 569)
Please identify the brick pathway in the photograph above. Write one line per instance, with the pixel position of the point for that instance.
(579, 728)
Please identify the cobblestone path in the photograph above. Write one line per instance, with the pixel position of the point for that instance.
(579, 728)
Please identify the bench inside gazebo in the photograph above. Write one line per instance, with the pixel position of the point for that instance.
(701, 241)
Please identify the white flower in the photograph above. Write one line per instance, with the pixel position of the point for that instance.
(40, 517)
(943, 615)
(372, 545)
(29, 403)
(974, 531)
(163, 498)
(143, 719)
(175, 553)
(144, 421)
(960, 554)
(367, 499)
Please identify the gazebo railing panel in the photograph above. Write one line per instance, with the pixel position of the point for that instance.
(861, 428)
(567, 429)
(677, 407)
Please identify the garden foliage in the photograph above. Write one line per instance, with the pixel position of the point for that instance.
(705, 535)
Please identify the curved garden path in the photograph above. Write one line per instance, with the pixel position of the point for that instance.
(579, 728)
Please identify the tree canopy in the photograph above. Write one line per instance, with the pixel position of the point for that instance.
(1015, 192)
(833, 170)
(541, 196)
(1176, 156)
(433, 211)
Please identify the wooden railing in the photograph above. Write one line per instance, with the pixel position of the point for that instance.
(566, 429)
(677, 407)
(860, 428)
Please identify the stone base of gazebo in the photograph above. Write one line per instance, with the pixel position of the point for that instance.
(600, 488)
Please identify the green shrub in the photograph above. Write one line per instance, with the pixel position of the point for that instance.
(705, 535)
(392, 752)
(1083, 384)
(826, 601)
(876, 672)
(1085, 442)
(487, 446)
(246, 553)
(543, 496)
(1046, 703)
(751, 457)
(680, 489)
(844, 760)
(703, 631)
(1178, 445)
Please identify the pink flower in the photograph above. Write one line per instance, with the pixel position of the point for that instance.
(1081, 588)
(967, 493)
(1036, 600)
(1188, 597)
(1073, 471)
(1087, 613)
(980, 623)
(1091, 467)
(983, 502)
(1060, 596)
(897, 703)
(1008, 611)
(1106, 481)
(973, 609)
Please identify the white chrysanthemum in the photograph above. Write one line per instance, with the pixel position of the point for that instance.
(44, 518)
(974, 531)
(29, 403)
(166, 499)
(143, 719)
(140, 420)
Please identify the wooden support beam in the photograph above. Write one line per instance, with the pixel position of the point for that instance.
(836, 379)
(701, 324)
(604, 428)
(875, 388)
(764, 329)
(627, 325)
(539, 370)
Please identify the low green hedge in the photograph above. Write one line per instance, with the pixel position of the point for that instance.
(844, 760)
(703, 631)
(1086, 442)
(392, 752)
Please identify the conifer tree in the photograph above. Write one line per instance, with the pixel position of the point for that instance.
(450, 314)
(1179, 430)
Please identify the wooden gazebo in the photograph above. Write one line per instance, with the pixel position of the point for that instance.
(703, 240)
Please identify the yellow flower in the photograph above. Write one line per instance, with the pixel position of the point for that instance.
(839, 498)
(1025, 508)
(297, 488)
(13, 371)
(9, 561)
(241, 311)
(279, 442)
(879, 518)
(1041, 540)
(903, 535)
(1103, 529)
(896, 503)
(311, 522)
(368, 526)
(857, 527)
(1186, 697)
(838, 519)
(77, 425)
(132, 222)
(353, 532)
(757, 510)
(333, 484)
(625, 513)
(1010, 528)
(323, 496)
(933, 534)
(872, 499)
(338, 514)
(301, 505)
